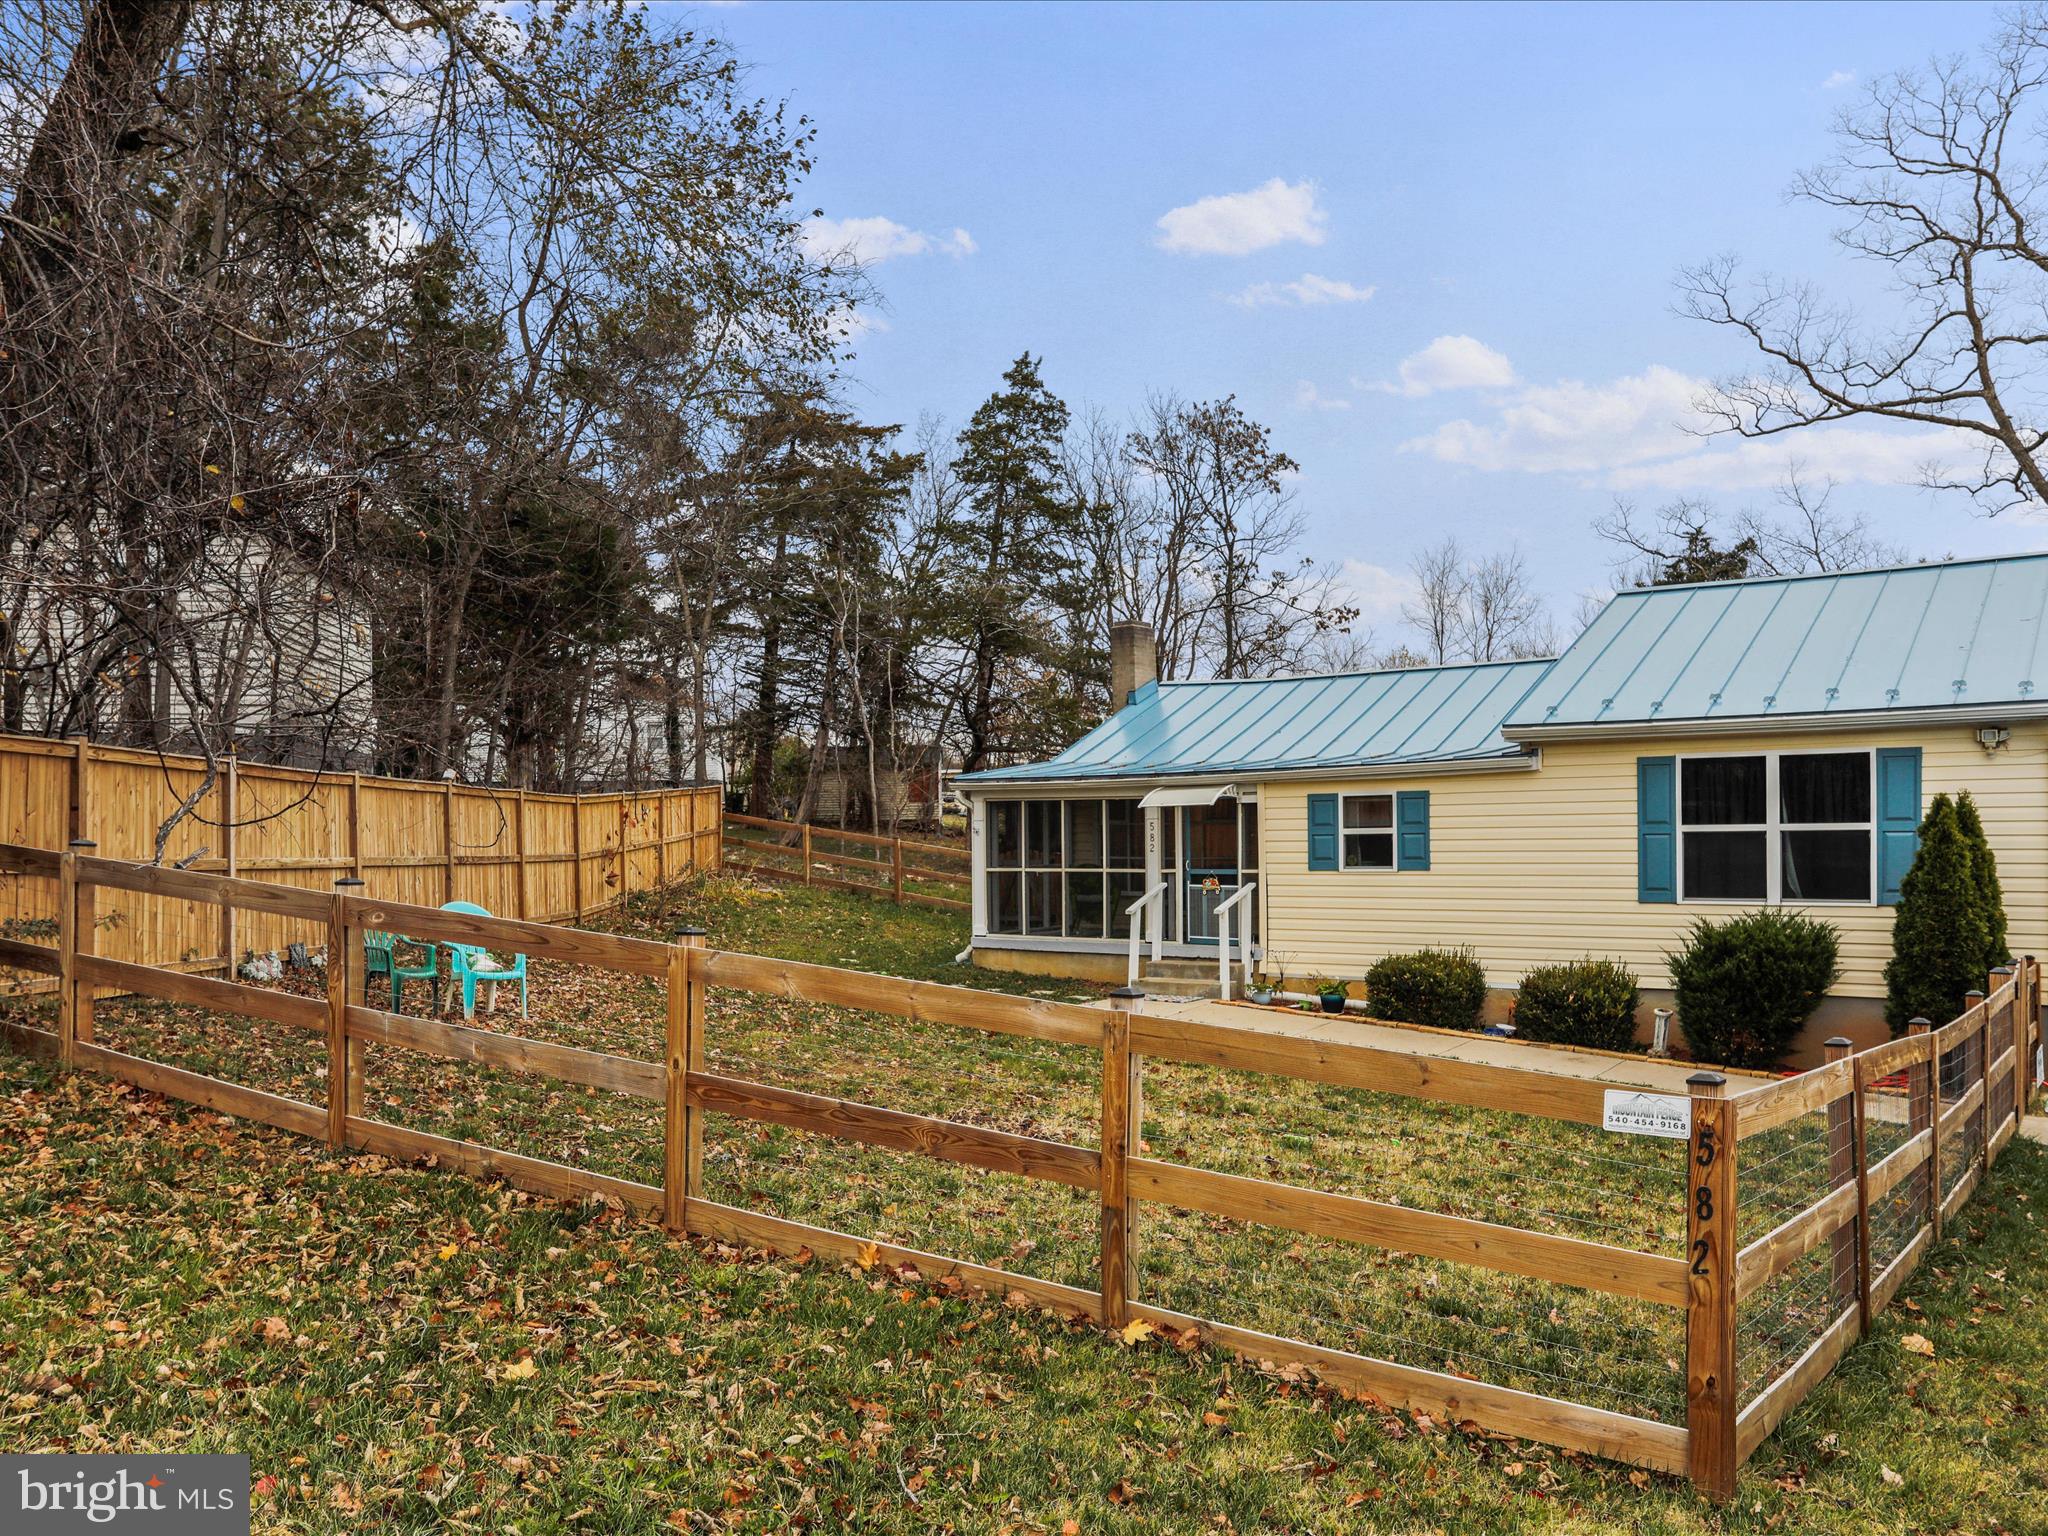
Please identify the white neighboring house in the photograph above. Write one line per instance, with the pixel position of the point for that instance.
(268, 655)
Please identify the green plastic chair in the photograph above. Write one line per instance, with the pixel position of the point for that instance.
(380, 958)
(463, 967)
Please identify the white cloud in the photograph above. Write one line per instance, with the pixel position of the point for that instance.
(1452, 362)
(1642, 432)
(871, 240)
(1575, 428)
(1378, 593)
(1238, 223)
(1839, 80)
(1306, 291)
(1308, 398)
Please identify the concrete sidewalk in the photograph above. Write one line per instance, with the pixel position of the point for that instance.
(1351, 1029)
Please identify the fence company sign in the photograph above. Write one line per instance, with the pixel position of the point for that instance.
(1647, 1114)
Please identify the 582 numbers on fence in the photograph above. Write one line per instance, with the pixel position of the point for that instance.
(1706, 1151)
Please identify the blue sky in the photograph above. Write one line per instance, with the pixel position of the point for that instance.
(1495, 197)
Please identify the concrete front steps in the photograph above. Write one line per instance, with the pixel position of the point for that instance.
(1178, 978)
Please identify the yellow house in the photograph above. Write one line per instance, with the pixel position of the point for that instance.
(1699, 750)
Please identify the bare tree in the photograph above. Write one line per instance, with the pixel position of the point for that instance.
(1940, 180)
(1438, 607)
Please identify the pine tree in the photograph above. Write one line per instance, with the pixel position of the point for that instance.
(1015, 566)
(1939, 935)
(1990, 895)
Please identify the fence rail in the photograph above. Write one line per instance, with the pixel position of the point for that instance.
(1870, 1152)
(290, 832)
(911, 872)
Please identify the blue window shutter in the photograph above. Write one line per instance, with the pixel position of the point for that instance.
(1322, 831)
(1656, 829)
(1411, 821)
(1898, 818)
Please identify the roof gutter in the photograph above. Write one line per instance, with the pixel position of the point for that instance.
(1525, 762)
(1757, 725)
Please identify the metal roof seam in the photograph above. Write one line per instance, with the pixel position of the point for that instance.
(1643, 656)
(1906, 656)
(1621, 628)
(1748, 646)
(1792, 660)
(1849, 655)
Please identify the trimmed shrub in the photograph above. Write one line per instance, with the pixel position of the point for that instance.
(1984, 869)
(1582, 1002)
(1746, 985)
(1941, 937)
(1442, 987)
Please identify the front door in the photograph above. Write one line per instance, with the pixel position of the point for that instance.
(1210, 867)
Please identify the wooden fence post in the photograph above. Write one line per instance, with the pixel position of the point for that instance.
(68, 948)
(2029, 1033)
(2000, 976)
(230, 813)
(79, 815)
(1710, 1382)
(1926, 1116)
(84, 906)
(344, 1056)
(355, 826)
(676, 1092)
(896, 868)
(576, 854)
(1843, 1168)
(625, 869)
(661, 838)
(807, 853)
(448, 841)
(519, 835)
(1973, 1047)
(686, 1125)
(1119, 1236)
(1861, 1112)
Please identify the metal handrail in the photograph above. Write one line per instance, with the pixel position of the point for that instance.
(1158, 926)
(1223, 940)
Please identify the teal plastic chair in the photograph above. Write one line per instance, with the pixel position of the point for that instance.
(381, 958)
(463, 967)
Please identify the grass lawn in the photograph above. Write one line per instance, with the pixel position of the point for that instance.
(403, 1349)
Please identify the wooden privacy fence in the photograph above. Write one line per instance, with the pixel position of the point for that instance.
(900, 869)
(1964, 1091)
(519, 853)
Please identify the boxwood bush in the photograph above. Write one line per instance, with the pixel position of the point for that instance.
(1582, 1002)
(1746, 985)
(1443, 987)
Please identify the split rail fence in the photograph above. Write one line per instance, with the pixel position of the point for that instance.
(898, 869)
(523, 854)
(1892, 1139)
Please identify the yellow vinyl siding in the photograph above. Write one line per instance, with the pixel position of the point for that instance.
(1533, 867)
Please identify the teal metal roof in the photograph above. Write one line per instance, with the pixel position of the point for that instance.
(1958, 634)
(1347, 720)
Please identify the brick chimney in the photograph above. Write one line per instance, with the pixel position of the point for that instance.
(1133, 660)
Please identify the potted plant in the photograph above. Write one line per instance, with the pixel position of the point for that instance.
(1270, 982)
(1332, 993)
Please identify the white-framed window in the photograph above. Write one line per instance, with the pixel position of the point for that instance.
(1367, 830)
(1062, 868)
(1777, 827)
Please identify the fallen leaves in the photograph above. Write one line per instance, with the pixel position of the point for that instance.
(1918, 1344)
(1891, 1478)
(1137, 1330)
(520, 1370)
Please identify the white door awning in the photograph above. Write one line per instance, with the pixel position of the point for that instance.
(1200, 794)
